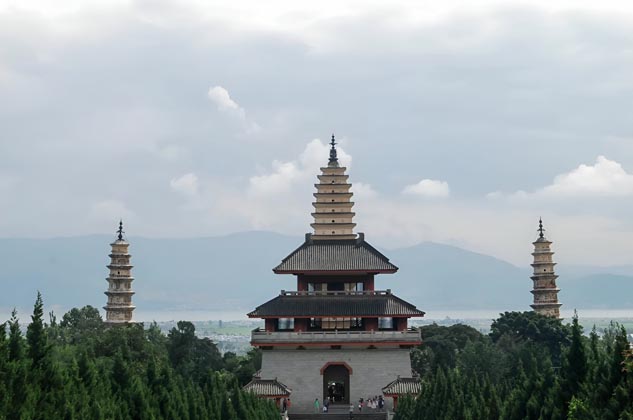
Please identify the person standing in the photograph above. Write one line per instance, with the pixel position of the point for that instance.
(351, 410)
(317, 406)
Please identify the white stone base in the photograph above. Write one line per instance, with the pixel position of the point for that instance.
(300, 370)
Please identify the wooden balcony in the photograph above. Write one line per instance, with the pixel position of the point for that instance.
(260, 337)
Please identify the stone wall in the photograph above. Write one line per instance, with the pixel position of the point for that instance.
(300, 370)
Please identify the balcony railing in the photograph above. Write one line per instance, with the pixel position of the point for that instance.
(261, 337)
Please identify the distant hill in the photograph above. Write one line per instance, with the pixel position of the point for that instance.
(233, 273)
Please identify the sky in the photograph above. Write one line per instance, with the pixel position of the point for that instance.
(461, 122)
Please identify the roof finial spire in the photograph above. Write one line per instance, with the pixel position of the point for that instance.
(540, 228)
(120, 231)
(333, 158)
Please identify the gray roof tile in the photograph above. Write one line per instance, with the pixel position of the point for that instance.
(267, 388)
(402, 386)
(367, 304)
(335, 255)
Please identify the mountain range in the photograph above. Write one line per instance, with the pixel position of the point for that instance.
(233, 273)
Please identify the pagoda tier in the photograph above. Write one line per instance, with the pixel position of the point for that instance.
(119, 307)
(333, 216)
(318, 319)
(347, 256)
(545, 290)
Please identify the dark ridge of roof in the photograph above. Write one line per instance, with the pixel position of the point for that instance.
(402, 386)
(290, 304)
(335, 255)
(267, 387)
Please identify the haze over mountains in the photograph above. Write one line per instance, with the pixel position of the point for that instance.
(233, 273)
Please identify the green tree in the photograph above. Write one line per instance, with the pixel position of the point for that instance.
(16, 343)
(35, 335)
(574, 369)
(532, 327)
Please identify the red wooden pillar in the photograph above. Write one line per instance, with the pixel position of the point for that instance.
(369, 283)
(401, 324)
(269, 324)
(371, 324)
(301, 324)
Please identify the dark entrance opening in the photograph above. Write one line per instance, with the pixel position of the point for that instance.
(336, 287)
(336, 384)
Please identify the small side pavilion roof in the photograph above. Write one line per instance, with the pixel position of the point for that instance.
(403, 386)
(270, 388)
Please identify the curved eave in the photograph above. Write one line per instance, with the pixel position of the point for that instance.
(391, 271)
(333, 194)
(539, 291)
(329, 214)
(340, 225)
(317, 344)
(418, 315)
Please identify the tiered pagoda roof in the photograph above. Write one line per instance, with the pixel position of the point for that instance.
(335, 255)
(119, 307)
(545, 290)
(333, 216)
(335, 304)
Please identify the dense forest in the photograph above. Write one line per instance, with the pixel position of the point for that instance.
(76, 368)
(528, 367)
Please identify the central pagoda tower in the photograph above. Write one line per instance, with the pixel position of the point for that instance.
(336, 337)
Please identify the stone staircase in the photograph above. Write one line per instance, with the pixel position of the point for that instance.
(338, 416)
(339, 413)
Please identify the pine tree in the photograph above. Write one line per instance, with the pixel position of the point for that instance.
(35, 335)
(574, 369)
(16, 344)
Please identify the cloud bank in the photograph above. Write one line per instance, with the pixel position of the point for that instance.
(204, 114)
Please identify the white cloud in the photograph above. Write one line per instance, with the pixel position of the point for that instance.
(286, 175)
(221, 98)
(363, 191)
(428, 188)
(186, 184)
(604, 178)
(223, 101)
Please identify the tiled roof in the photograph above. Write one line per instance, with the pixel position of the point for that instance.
(402, 386)
(335, 255)
(340, 304)
(267, 388)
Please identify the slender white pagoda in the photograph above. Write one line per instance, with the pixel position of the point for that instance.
(333, 208)
(119, 307)
(545, 290)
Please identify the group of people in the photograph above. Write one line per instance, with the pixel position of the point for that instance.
(374, 403)
(317, 405)
(285, 405)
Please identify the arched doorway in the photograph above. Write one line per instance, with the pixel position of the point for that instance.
(336, 383)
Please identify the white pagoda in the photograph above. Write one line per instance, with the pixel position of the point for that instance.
(119, 307)
(545, 290)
